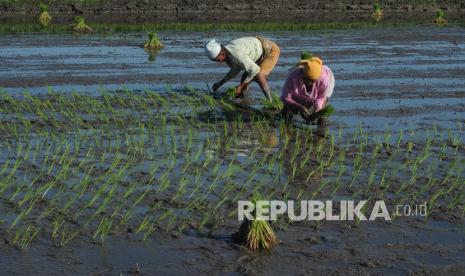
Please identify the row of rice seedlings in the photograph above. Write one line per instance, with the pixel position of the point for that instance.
(324, 154)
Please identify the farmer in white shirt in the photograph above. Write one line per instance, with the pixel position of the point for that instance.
(255, 55)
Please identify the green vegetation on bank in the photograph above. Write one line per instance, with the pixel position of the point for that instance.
(10, 28)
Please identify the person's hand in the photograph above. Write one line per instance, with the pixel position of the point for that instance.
(239, 89)
(216, 86)
(305, 113)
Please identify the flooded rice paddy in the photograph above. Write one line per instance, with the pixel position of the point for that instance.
(111, 157)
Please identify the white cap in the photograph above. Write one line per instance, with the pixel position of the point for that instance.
(212, 49)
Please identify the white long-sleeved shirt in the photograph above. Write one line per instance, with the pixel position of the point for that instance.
(244, 53)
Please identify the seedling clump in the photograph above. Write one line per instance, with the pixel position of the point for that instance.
(81, 26)
(439, 20)
(230, 93)
(153, 43)
(256, 234)
(377, 14)
(325, 112)
(274, 104)
(44, 17)
(305, 55)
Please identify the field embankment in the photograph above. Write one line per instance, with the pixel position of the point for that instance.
(145, 11)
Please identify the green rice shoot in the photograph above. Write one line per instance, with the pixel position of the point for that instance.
(80, 25)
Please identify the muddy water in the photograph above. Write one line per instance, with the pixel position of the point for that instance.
(385, 78)
(388, 78)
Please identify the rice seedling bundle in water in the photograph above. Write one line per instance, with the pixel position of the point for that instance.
(439, 20)
(44, 17)
(377, 14)
(153, 43)
(80, 25)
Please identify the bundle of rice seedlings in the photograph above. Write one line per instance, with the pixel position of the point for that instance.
(274, 104)
(256, 234)
(377, 14)
(80, 25)
(230, 93)
(44, 17)
(305, 55)
(153, 43)
(439, 20)
(323, 113)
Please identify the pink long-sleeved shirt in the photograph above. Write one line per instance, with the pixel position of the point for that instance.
(295, 94)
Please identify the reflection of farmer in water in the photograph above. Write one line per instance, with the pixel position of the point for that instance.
(311, 84)
(254, 55)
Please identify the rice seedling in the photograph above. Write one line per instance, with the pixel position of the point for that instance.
(377, 13)
(103, 229)
(24, 236)
(65, 238)
(439, 19)
(80, 26)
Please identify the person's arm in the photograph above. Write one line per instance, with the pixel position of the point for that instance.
(320, 102)
(322, 85)
(321, 99)
(289, 101)
(231, 74)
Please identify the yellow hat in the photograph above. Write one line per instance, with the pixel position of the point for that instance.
(312, 67)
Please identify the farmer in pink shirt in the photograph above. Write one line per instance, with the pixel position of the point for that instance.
(310, 84)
